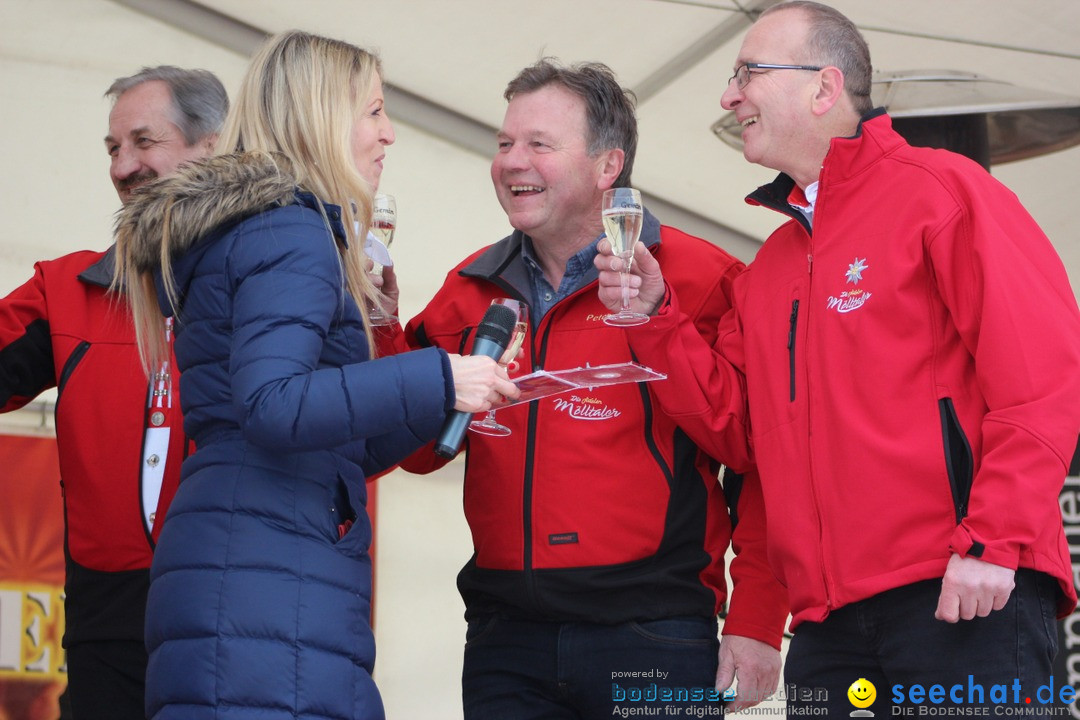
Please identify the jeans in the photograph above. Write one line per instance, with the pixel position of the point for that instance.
(521, 670)
(918, 663)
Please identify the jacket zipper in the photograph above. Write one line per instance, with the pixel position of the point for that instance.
(537, 359)
(539, 355)
(826, 574)
(958, 457)
(647, 430)
(70, 364)
(793, 323)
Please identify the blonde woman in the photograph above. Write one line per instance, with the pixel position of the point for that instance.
(261, 586)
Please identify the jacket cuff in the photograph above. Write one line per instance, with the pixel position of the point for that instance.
(664, 321)
(669, 304)
(967, 543)
(767, 630)
(448, 381)
(764, 618)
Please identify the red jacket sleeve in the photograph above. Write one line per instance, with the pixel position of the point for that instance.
(26, 357)
(704, 392)
(758, 605)
(1010, 299)
(680, 344)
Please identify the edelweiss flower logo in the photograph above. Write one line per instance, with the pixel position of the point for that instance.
(854, 270)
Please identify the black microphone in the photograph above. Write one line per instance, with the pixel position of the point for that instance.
(492, 337)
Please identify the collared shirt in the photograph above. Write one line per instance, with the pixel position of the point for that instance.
(577, 273)
(804, 200)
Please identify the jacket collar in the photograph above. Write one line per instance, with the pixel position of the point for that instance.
(333, 213)
(847, 157)
(101, 272)
(200, 200)
(502, 263)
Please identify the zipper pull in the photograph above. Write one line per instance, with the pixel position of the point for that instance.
(809, 262)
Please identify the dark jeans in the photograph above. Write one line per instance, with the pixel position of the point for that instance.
(519, 670)
(894, 641)
(107, 680)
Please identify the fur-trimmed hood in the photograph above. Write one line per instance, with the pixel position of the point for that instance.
(198, 198)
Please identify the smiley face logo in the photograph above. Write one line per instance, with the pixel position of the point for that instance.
(862, 693)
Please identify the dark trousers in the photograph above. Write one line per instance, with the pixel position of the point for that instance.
(918, 664)
(107, 680)
(519, 670)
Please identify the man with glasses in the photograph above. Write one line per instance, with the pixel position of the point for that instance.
(744, 72)
(903, 362)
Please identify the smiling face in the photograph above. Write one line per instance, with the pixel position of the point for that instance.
(862, 693)
(371, 133)
(774, 106)
(143, 142)
(544, 178)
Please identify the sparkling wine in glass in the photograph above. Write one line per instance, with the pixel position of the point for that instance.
(383, 224)
(489, 426)
(622, 214)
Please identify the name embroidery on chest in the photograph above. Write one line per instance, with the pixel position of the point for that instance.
(585, 408)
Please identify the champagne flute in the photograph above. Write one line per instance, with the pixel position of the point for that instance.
(383, 223)
(622, 215)
(488, 426)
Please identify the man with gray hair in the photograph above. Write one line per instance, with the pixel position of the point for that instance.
(120, 439)
(162, 117)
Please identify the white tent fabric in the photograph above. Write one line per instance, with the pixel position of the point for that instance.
(58, 56)
(450, 61)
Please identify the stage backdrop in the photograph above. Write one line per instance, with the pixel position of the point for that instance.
(32, 664)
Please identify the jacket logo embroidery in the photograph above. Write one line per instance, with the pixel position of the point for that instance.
(586, 408)
(851, 300)
(854, 271)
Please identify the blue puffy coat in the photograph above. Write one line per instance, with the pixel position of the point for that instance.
(260, 589)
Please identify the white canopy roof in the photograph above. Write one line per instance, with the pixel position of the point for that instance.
(447, 63)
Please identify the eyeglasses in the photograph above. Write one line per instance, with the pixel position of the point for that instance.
(743, 75)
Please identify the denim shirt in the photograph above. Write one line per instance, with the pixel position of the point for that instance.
(579, 271)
